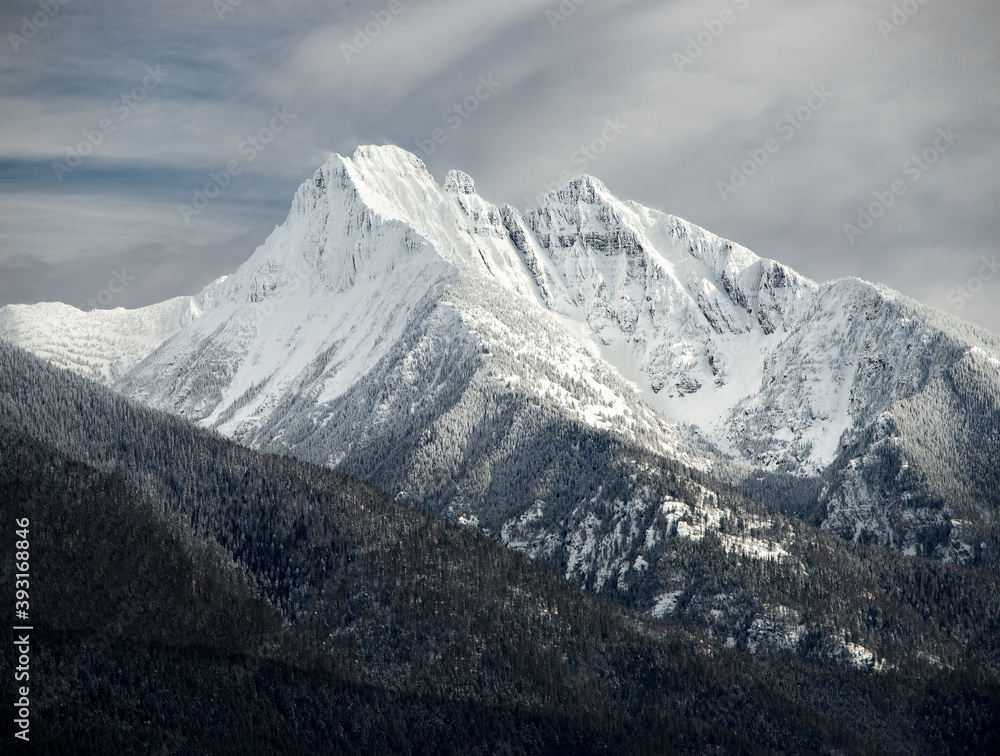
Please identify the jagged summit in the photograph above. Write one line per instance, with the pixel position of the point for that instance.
(459, 182)
(584, 188)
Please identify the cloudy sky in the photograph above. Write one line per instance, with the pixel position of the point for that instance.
(770, 122)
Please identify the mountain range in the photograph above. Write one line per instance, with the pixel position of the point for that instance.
(391, 316)
(189, 595)
(655, 413)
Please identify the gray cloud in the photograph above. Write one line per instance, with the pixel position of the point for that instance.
(561, 77)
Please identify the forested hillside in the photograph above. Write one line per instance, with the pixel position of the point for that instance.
(189, 588)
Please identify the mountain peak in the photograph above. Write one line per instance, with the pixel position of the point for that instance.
(388, 157)
(459, 182)
(585, 188)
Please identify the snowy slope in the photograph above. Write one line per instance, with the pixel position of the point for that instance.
(100, 344)
(687, 315)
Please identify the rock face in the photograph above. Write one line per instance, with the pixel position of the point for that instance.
(477, 361)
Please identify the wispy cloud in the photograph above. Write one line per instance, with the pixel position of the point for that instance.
(561, 82)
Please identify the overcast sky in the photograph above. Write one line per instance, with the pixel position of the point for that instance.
(113, 112)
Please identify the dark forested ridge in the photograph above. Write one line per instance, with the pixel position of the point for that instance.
(193, 596)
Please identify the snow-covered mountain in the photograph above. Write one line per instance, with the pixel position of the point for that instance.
(508, 369)
(100, 344)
